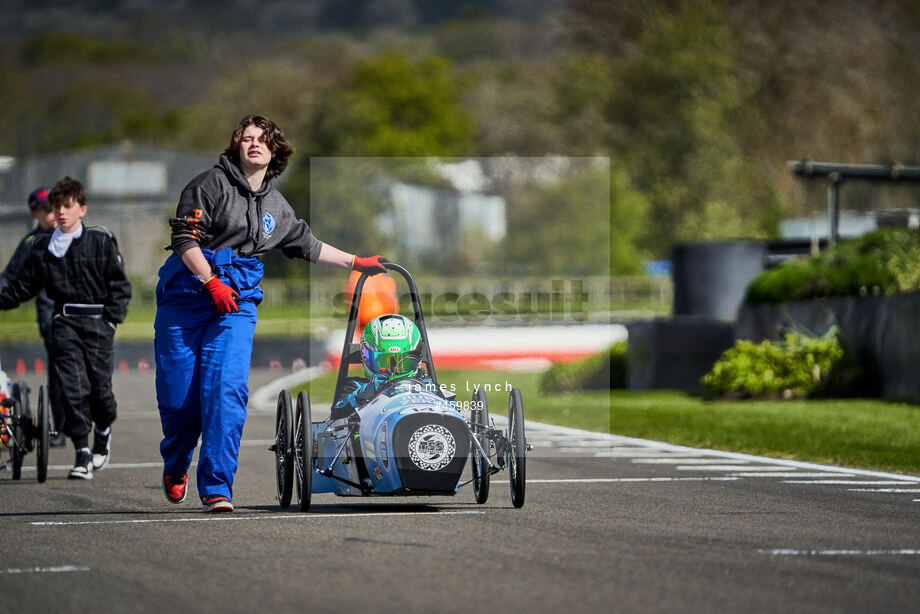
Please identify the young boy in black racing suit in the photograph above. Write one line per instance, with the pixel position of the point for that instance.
(81, 270)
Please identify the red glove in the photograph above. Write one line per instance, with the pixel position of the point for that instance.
(370, 265)
(225, 298)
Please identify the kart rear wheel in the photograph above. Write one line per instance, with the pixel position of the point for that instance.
(284, 459)
(18, 442)
(481, 476)
(517, 447)
(43, 436)
(303, 451)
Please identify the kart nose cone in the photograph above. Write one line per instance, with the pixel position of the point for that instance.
(430, 450)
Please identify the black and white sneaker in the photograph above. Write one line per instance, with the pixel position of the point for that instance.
(82, 466)
(102, 442)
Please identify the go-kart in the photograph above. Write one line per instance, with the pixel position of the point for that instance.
(411, 439)
(19, 432)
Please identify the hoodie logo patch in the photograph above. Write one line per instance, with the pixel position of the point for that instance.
(268, 225)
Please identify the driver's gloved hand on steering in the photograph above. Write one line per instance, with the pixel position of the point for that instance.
(370, 265)
(225, 298)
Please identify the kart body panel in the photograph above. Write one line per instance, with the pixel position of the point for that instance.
(407, 442)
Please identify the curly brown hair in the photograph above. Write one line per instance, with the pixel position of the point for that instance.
(272, 135)
(66, 189)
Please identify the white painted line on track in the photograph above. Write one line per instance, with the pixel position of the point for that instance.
(108, 467)
(561, 438)
(726, 468)
(784, 474)
(56, 569)
(661, 446)
(785, 552)
(851, 482)
(566, 450)
(602, 480)
(225, 517)
(900, 490)
(266, 398)
(687, 461)
(650, 454)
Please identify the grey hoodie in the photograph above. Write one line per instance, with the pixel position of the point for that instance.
(219, 209)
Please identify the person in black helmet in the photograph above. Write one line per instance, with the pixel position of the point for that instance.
(40, 211)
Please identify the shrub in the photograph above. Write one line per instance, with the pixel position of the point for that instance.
(798, 366)
(880, 262)
(596, 372)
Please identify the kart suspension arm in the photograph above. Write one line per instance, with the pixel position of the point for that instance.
(492, 471)
(482, 450)
(328, 470)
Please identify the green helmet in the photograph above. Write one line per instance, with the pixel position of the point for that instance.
(388, 346)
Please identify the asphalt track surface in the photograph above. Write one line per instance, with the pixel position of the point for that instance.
(609, 525)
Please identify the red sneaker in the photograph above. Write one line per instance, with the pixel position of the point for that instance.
(175, 488)
(216, 503)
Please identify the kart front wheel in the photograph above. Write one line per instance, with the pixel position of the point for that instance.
(303, 451)
(284, 459)
(43, 436)
(480, 419)
(517, 447)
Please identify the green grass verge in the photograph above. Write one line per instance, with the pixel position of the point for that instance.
(862, 433)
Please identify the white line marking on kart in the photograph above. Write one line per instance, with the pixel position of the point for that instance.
(56, 569)
(900, 490)
(226, 517)
(852, 482)
(601, 480)
(789, 552)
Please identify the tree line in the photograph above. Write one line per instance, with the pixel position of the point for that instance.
(697, 104)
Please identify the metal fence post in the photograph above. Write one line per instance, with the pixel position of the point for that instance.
(833, 210)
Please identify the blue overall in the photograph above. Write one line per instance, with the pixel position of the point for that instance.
(202, 360)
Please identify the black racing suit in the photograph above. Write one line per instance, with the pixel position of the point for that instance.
(90, 293)
(44, 308)
(43, 305)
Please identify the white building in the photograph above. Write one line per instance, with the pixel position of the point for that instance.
(427, 219)
(131, 189)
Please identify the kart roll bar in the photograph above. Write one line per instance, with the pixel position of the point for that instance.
(351, 352)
